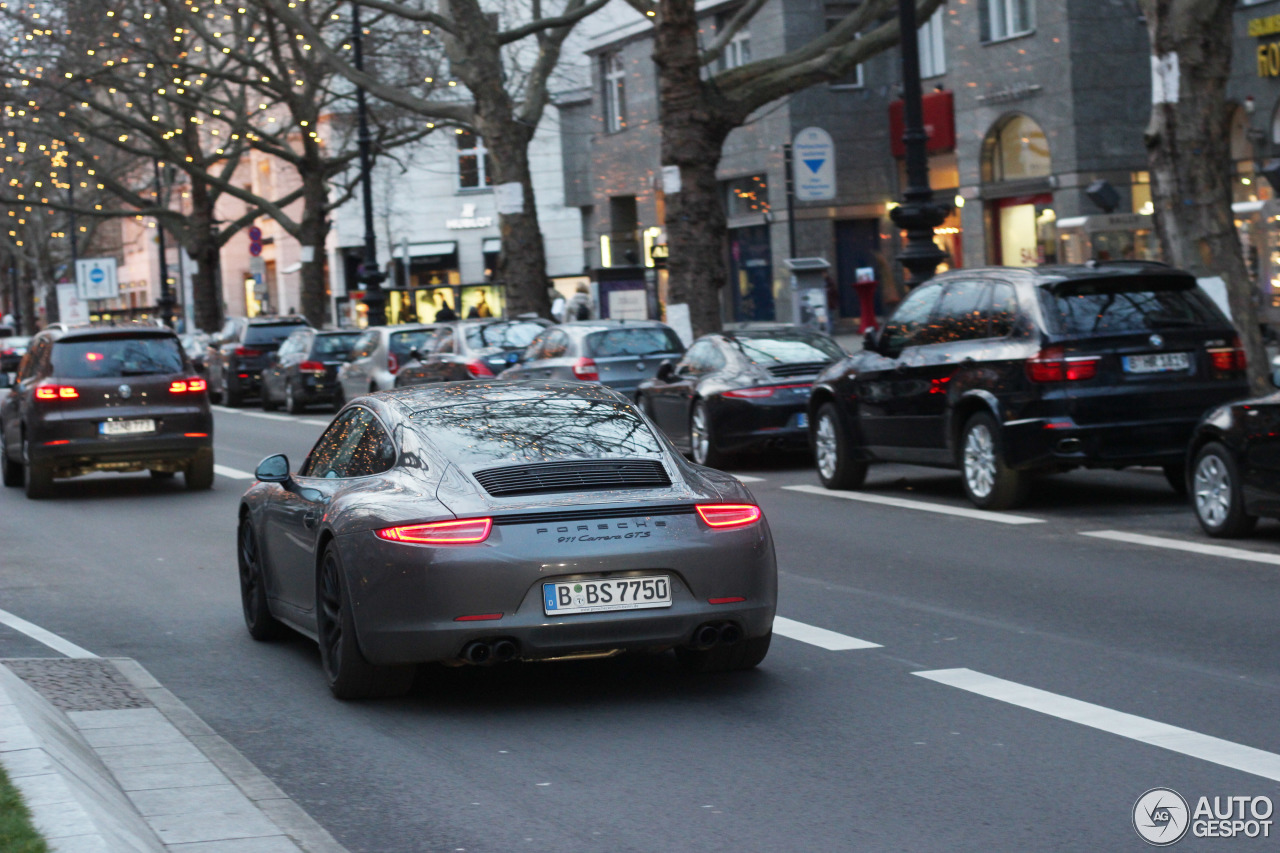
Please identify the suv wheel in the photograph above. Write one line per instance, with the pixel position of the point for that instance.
(12, 470)
(837, 469)
(292, 404)
(233, 396)
(1216, 495)
(37, 477)
(988, 481)
(198, 475)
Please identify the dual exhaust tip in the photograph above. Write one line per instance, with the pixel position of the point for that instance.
(714, 634)
(488, 652)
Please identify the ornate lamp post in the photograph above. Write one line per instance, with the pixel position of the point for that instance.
(369, 274)
(918, 214)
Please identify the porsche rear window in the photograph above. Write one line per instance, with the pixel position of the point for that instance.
(537, 430)
(787, 349)
(115, 357)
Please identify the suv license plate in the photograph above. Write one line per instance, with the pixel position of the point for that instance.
(1158, 362)
(600, 595)
(127, 427)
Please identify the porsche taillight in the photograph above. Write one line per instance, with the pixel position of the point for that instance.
(469, 531)
(722, 516)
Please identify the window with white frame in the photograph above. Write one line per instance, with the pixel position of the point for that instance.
(834, 15)
(615, 93)
(1002, 19)
(933, 59)
(473, 162)
(738, 51)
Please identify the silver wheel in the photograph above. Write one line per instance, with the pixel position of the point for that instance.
(979, 460)
(827, 448)
(1212, 491)
(699, 438)
(288, 397)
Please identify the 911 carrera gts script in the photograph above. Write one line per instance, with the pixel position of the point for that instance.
(634, 534)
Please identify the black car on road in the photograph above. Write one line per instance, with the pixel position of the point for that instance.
(1233, 466)
(105, 398)
(304, 371)
(481, 522)
(739, 390)
(238, 353)
(470, 349)
(1003, 372)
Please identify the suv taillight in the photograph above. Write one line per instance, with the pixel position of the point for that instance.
(245, 352)
(585, 369)
(1229, 359)
(194, 385)
(311, 367)
(56, 392)
(1052, 365)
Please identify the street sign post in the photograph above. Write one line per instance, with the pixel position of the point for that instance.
(814, 164)
(96, 278)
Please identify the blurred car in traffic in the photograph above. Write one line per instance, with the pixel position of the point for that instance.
(304, 371)
(195, 344)
(1232, 469)
(481, 522)
(618, 353)
(105, 398)
(12, 349)
(738, 391)
(470, 349)
(1003, 372)
(236, 355)
(377, 356)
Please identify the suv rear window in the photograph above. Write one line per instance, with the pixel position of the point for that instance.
(1128, 305)
(514, 335)
(401, 342)
(335, 345)
(641, 341)
(116, 357)
(270, 333)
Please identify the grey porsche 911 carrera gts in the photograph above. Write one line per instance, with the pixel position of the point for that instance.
(481, 522)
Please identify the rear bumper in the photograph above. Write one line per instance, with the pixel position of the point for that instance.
(752, 424)
(1046, 442)
(163, 452)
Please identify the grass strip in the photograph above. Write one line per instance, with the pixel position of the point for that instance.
(17, 835)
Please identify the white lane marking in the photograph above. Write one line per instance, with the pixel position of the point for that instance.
(820, 637)
(1182, 545)
(232, 473)
(963, 512)
(745, 478)
(40, 635)
(1206, 747)
(271, 416)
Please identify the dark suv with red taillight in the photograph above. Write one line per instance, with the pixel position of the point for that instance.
(115, 398)
(238, 354)
(1003, 372)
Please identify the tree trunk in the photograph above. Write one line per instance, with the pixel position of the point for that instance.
(1188, 149)
(26, 295)
(522, 265)
(312, 231)
(693, 132)
(201, 243)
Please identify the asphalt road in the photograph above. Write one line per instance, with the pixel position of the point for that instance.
(964, 727)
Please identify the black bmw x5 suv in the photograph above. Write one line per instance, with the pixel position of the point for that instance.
(1002, 372)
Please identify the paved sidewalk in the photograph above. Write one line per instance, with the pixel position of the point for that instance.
(108, 760)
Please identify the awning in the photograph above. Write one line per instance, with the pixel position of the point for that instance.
(426, 250)
(491, 245)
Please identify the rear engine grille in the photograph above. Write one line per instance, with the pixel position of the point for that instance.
(803, 369)
(567, 515)
(573, 477)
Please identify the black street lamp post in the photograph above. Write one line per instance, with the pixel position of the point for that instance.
(370, 276)
(918, 214)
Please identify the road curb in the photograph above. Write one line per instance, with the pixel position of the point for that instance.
(136, 770)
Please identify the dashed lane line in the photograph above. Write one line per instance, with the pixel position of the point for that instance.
(820, 637)
(925, 506)
(232, 473)
(270, 416)
(746, 478)
(1182, 545)
(1184, 741)
(40, 635)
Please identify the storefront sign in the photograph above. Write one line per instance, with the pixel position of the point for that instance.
(1269, 59)
(468, 219)
(939, 124)
(1268, 26)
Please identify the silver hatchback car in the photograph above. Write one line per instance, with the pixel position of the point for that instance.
(377, 355)
(618, 353)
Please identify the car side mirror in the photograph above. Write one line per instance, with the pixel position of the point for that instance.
(273, 469)
(666, 371)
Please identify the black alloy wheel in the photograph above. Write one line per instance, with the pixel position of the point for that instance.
(734, 657)
(253, 591)
(198, 475)
(702, 443)
(37, 477)
(837, 469)
(350, 676)
(1216, 495)
(988, 481)
(12, 470)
